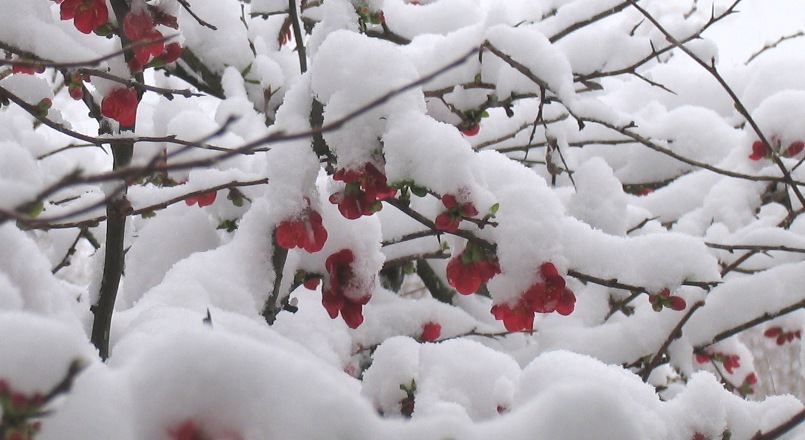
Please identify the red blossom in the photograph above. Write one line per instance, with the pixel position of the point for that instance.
(172, 52)
(121, 105)
(781, 335)
(363, 191)
(751, 378)
(472, 130)
(664, 299)
(759, 151)
(449, 220)
(472, 268)
(731, 362)
(86, 14)
(311, 283)
(431, 331)
(794, 149)
(548, 295)
(204, 199)
(306, 232)
(139, 27)
(518, 317)
(338, 294)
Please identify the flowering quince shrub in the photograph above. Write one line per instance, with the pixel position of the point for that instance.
(555, 219)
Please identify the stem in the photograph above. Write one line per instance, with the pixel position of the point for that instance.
(297, 35)
(114, 259)
(271, 309)
(433, 283)
(117, 212)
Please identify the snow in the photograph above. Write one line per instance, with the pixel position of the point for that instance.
(189, 344)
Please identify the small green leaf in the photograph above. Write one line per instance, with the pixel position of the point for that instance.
(148, 214)
(229, 225)
(36, 209)
(493, 210)
(419, 191)
(246, 70)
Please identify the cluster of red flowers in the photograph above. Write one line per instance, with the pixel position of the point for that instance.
(364, 190)
(87, 15)
(190, 430)
(339, 293)
(450, 219)
(781, 335)
(205, 199)
(18, 410)
(761, 151)
(729, 361)
(472, 268)
(664, 299)
(548, 295)
(140, 27)
(306, 232)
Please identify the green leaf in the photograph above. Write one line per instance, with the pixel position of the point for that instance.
(229, 225)
(493, 210)
(419, 191)
(36, 209)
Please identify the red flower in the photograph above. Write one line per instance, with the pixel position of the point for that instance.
(751, 378)
(472, 268)
(121, 105)
(431, 331)
(665, 299)
(450, 219)
(363, 191)
(702, 358)
(86, 14)
(172, 52)
(306, 232)
(205, 199)
(781, 335)
(515, 318)
(546, 296)
(139, 27)
(338, 294)
(353, 202)
(551, 294)
(311, 283)
(759, 151)
(794, 149)
(472, 130)
(731, 362)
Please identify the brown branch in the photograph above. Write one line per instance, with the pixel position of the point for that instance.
(186, 7)
(582, 24)
(405, 209)
(782, 429)
(48, 223)
(773, 45)
(297, 35)
(711, 69)
(676, 333)
(749, 324)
